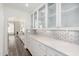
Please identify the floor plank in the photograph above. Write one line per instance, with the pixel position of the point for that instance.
(16, 47)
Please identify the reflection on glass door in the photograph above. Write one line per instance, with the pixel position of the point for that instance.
(51, 15)
(10, 28)
(35, 20)
(41, 19)
(70, 14)
(32, 21)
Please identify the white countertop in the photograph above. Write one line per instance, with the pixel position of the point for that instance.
(67, 48)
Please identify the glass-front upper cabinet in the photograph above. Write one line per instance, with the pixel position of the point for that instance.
(32, 21)
(35, 20)
(41, 17)
(51, 15)
(70, 14)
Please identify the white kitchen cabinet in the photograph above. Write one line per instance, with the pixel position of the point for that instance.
(31, 45)
(53, 52)
(57, 16)
(36, 48)
(27, 39)
(44, 16)
(50, 52)
(39, 49)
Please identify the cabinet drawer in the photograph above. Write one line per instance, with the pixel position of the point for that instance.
(50, 52)
(53, 52)
(36, 48)
(40, 48)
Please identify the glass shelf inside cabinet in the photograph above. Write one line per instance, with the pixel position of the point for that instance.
(70, 14)
(41, 17)
(51, 15)
(35, 20)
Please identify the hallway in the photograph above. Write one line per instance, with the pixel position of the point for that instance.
(16, 47)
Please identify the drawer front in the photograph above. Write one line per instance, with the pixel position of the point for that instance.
(36, 48)
(53, 52)
(39, 48)
(42, 47)
(31, 46)
(50, 52)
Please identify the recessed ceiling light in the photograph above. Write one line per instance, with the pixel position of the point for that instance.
(26, 4)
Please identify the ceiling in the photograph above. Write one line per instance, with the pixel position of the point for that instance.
(21, 6)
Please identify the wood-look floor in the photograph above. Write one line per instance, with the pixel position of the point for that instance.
(16, 47)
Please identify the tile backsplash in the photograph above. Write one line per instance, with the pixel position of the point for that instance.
(70, 36)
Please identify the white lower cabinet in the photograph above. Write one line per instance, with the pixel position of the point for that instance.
(39, 49)
(31, 46)
(50, 52)
(53, 52)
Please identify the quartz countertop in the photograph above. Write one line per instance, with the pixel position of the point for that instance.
(67, 48)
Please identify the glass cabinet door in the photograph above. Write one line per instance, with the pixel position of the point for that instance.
(35, 20)
(41, 17)
(70, 14)
(32, 21)
(51, 15)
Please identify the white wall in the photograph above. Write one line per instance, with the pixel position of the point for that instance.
(25, 17)
(2, 31)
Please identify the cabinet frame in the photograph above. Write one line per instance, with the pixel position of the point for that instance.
(58, 19)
